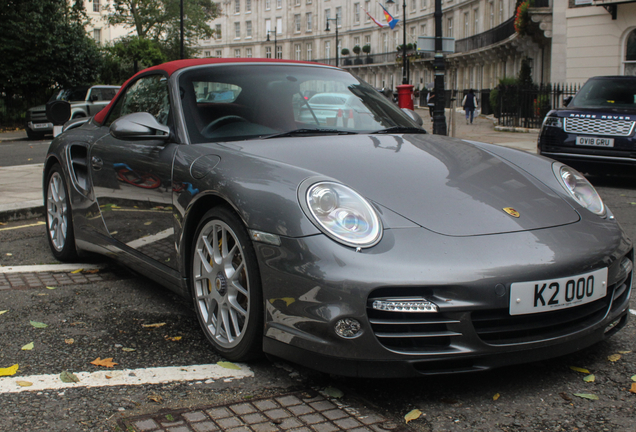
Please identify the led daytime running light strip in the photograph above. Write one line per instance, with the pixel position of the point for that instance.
(405, 305)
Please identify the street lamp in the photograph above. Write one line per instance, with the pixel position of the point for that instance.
(405, 79)
(327, 30)
(182, 50)
(275, 46)
(439, 119)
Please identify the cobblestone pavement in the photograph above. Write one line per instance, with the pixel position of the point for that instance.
(296, 412)
(43, 279)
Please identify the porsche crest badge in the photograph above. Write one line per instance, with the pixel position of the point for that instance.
(512, 212)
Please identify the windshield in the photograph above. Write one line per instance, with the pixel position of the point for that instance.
(235, 102)
(618, 93)
(76, 94)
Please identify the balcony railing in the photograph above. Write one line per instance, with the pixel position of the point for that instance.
(490, 37)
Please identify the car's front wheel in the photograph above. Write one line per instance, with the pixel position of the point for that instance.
(59, 220)
(226, 286)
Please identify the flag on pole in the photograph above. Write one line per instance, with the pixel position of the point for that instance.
(389, 19)
(378, 23)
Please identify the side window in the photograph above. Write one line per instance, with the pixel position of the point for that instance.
(148, 94)
(96, 95)
(108, 93)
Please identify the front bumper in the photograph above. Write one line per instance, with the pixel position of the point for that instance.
(309, 284)
(40, 127)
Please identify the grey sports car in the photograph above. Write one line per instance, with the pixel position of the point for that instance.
(360, 248)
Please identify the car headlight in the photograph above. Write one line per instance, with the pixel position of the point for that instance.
(342, 214)
(579, 188)
(550, 121)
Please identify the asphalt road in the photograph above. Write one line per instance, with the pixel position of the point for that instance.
(104, 317)
(22, 152)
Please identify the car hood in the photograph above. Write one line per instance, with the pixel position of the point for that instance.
(446, 185)
(596, 113)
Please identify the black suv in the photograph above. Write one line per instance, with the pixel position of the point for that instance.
(594, 133)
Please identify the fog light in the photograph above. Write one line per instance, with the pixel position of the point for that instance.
(405, 305)
(348, 328)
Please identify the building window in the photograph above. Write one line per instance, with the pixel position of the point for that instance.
(630, 54)
(237, 6)
(268, 4)
(297, 52)
(466, 24)
(327, 16)
(491, 21)
(237, 30)
(356, 41)
(449, 27)
(206, 54)
(296, 2)
(501, 12)
(248, 29)
(248, 52)
(268, 52)
(356, 13)
(219, 53)
(309, 21)
(297, 23)
(309, 52)
(308, 2)
(339, 16)
(412, 34)
(237, 53)
(475, 21)
(97, 35)
(248, 5)
(279, 25)
(423, 4)
(367, 40)
(279, 4)
(327, 49)
(413, 5)
(95, 5)
(279, 52)
(385, 42)
(367, 6)
(423, 30)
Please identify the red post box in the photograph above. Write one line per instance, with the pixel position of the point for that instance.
(405, 96)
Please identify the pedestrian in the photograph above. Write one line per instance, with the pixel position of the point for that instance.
(469, 103)
(431, 103)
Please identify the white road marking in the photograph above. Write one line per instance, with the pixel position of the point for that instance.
(52, 268)
(158, 375)
(151, 238)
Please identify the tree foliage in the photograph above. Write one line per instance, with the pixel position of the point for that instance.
(43, 44)
(127, 56)
(160, 20)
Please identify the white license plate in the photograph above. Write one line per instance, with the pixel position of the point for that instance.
(594, 141)
(42, 125)
(554, 294)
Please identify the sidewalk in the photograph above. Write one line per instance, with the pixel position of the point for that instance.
(21, 186)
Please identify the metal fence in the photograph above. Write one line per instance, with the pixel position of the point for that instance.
(487, 38)
(526, 106)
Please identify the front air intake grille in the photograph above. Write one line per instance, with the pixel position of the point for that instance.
(599, 126)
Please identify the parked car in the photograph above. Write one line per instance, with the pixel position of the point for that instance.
(85, 102)
(595, 131)
(331, 109)
(361, 249)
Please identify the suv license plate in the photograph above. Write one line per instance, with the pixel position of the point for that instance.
(554, 294)
(42, 125)
(594, 141)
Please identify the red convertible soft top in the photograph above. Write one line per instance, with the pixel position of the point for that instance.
(173, 66)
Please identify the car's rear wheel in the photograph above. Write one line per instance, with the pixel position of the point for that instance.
(226, 286)
(59, 220)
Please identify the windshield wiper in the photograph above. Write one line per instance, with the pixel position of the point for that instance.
(310, 131)
(400, 129)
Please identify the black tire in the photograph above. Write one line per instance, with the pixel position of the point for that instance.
(222, 246)
(34, 135)
(59, 217)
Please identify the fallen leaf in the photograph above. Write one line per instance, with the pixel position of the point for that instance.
(578, 369)
(4, 312)
(586, 396)
(495, 397)
(69, 341)
(28, 347)
(155, 398)
(107, 362)
(11, 370)
(9, 254)
(173, 338)
(633, 389)
(589, 378)
(92, 271)
(77, 271)
(413, 415)
(69, 377)
(107, 376)
(228, 365)
(169, 417)
(128, 349)
(51, 288)
(633, 377)
(38, 324)
(614, 357)
(147, 223)
(24, 383)
(334, 392)
(624, 352)
(565, 396)
(153, 325)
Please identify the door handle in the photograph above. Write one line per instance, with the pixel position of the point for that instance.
(97, 163)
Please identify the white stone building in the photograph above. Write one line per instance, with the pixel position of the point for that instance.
(98, 27)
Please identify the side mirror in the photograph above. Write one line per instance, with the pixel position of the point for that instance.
(567, 100)
(413, 116)
(141, 125)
